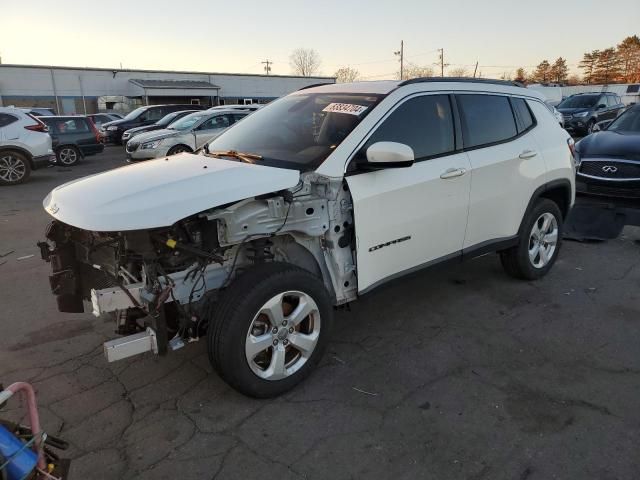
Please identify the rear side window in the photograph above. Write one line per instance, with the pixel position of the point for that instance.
(6, 119)
(156, 113)
(67, 126)
(524, 118)
(424, 123)
(237, 117)
(485, 119)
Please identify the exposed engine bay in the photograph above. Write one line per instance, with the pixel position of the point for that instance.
(161, 284)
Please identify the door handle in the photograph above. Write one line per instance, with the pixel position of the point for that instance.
(528, 154)
(453, 172)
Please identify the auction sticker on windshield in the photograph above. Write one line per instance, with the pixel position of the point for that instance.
(349, 108)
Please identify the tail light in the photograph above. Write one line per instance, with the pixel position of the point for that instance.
(38, 127)
(95, 130)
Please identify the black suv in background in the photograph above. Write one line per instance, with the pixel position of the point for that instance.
(112, 131)
(583, 110)
(164, 122)
(73, 137)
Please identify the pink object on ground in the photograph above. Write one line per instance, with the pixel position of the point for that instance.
(34, 419)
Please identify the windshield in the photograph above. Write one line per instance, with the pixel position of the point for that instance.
(629, 121)
(298, 131)
(134, 114)
(167, 119)
(187, 122)
(579, 101)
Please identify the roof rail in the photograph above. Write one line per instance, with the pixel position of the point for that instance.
(461, 79)
(315, 85)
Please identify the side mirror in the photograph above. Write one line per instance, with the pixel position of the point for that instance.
(389, 155)
(601, 106)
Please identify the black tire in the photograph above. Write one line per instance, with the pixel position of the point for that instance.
(178, 149)
(234, 315)
(15, 168)
(68, 155)
(590, 125)
(515, 260)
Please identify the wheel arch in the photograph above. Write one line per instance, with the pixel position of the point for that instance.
(184, 145)
(558, 191)
(15, 148)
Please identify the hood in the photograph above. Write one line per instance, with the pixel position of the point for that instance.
(157, 135)
(158, 193)
(571, 111)
(611, 144)
(146, 128)
(120, 121)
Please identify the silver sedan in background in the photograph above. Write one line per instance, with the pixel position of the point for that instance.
(185, 135)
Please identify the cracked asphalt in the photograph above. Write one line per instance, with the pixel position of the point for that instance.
(457, 373)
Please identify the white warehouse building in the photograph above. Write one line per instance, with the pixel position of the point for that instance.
(74, 90)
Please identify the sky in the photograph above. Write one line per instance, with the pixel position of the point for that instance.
(236, 36)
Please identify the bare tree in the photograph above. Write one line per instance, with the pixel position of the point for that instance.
(411, 70)
(346, 75)
(304, 61)
(459, 72)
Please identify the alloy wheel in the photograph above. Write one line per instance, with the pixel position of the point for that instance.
(12, 169)
(543, 240)
(283, 335)
(68, 156)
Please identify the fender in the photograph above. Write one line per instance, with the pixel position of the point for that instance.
(562, 183)
(15, 148)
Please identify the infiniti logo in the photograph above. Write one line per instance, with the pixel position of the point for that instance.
(609, 169)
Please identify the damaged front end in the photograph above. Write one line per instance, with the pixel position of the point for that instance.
(161, 284)
(132, 275)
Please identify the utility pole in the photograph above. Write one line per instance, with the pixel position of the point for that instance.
(475, 70)
(442, 64)
(267, 66)
(400, 53)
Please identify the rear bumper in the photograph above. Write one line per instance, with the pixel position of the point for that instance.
(43, 161)
(92, 149)
(111, 136)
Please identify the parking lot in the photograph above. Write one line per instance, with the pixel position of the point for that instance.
(457, 373)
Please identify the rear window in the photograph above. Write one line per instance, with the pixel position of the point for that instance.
(524, 118)
(64, 126)
(485, 119)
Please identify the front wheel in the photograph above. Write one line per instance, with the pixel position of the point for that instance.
(270, 329)
(590, 126)
(538, 243)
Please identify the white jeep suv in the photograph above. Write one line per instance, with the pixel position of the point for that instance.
(306, 204)
(24, 145)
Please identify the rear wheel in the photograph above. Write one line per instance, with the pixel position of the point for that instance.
(14, 168)
(68, 155)
(178, 149)
(538, 245)
(270, 329)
